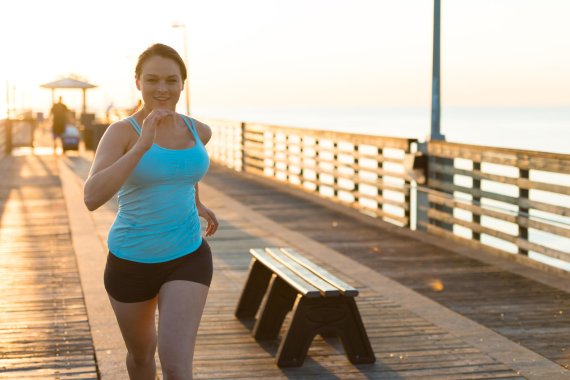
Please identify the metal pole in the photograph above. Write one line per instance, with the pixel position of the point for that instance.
(187, 82)
(436, 78)
(84, 108)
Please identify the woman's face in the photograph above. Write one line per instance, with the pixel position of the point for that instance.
(160, 83)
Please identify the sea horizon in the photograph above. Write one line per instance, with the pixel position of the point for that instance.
(545, 129)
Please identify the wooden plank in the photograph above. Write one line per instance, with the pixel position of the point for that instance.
(346, 289)
(519, 182)
(376, 211)
(524, 221)
(519, 242)
(326, 288)
(359, 139)
(285, 273)
(521, 202)
(523, 159)
(337, 166)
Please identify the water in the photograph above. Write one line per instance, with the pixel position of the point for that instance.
(544, 129)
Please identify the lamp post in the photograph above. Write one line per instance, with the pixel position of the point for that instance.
(436, 77)
(186, 82)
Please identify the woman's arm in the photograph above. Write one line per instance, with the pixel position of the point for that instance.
(205, 133)
(111, 166)
(207, 214)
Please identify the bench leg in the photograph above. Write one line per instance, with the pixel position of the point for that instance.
(279, 301)
(353, 335)
(312, 316)
(253, 291)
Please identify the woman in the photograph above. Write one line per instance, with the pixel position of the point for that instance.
(154, 160)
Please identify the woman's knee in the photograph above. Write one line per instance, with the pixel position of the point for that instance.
(142, 357)
(177, 370)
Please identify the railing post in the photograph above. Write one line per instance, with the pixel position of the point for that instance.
(380, 165)
(335, 169)
(242, 146)
(317, 167)
(523, 195)
(448, 178)
(476, 199)
(408, 193)
(8, 136)
(422, 201)
(287, 159)
(301, 163)
(356, 173)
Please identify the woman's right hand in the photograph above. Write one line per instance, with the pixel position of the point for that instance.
(156, 118)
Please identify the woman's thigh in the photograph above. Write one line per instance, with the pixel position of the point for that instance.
(180, 304)
(137, 324)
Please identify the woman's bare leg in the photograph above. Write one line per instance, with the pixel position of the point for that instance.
(137, 323)
(180, 304)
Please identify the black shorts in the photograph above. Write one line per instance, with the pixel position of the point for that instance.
(130, 281)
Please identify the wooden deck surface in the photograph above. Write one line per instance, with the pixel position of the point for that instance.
(525, 311)
(44, 331)
(43, 323)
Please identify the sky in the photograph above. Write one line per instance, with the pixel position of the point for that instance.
(310, 53)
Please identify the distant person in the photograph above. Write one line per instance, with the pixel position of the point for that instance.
(59, 113)
(157, 255)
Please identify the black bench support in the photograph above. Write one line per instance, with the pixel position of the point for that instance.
(279, 301)
(252, 294)
(311, 316)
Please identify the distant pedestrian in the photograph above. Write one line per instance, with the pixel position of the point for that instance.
(60, 115)
(157, 255)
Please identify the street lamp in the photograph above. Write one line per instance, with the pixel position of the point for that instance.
(436, 77)
(186, 84)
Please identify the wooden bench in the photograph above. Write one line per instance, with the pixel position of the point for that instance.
(322, 304)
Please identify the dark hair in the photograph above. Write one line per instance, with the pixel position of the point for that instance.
(162, 51)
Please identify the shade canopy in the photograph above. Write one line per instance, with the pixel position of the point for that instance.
(69, 83)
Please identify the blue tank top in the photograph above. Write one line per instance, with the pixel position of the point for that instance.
(157, 219)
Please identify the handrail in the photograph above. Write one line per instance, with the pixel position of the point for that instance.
(331, 164)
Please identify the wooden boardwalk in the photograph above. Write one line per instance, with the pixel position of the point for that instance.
(408, 342)
(44, 331)
(406, 345)
(520, 308)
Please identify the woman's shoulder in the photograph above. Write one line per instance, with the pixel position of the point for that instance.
(204, 131)
(121, 132)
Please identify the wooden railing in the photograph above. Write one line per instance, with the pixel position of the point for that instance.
(226, 146)
(5, 136)
(513, 199)
(363, 172)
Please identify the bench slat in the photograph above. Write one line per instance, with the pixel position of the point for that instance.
(345, 289)
(285, 273)
(326, 289)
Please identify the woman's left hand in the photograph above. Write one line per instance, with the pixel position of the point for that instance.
(210, 217)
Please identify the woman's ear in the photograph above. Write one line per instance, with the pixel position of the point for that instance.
(138, 82)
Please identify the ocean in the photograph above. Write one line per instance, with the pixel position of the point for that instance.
(544, 129)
